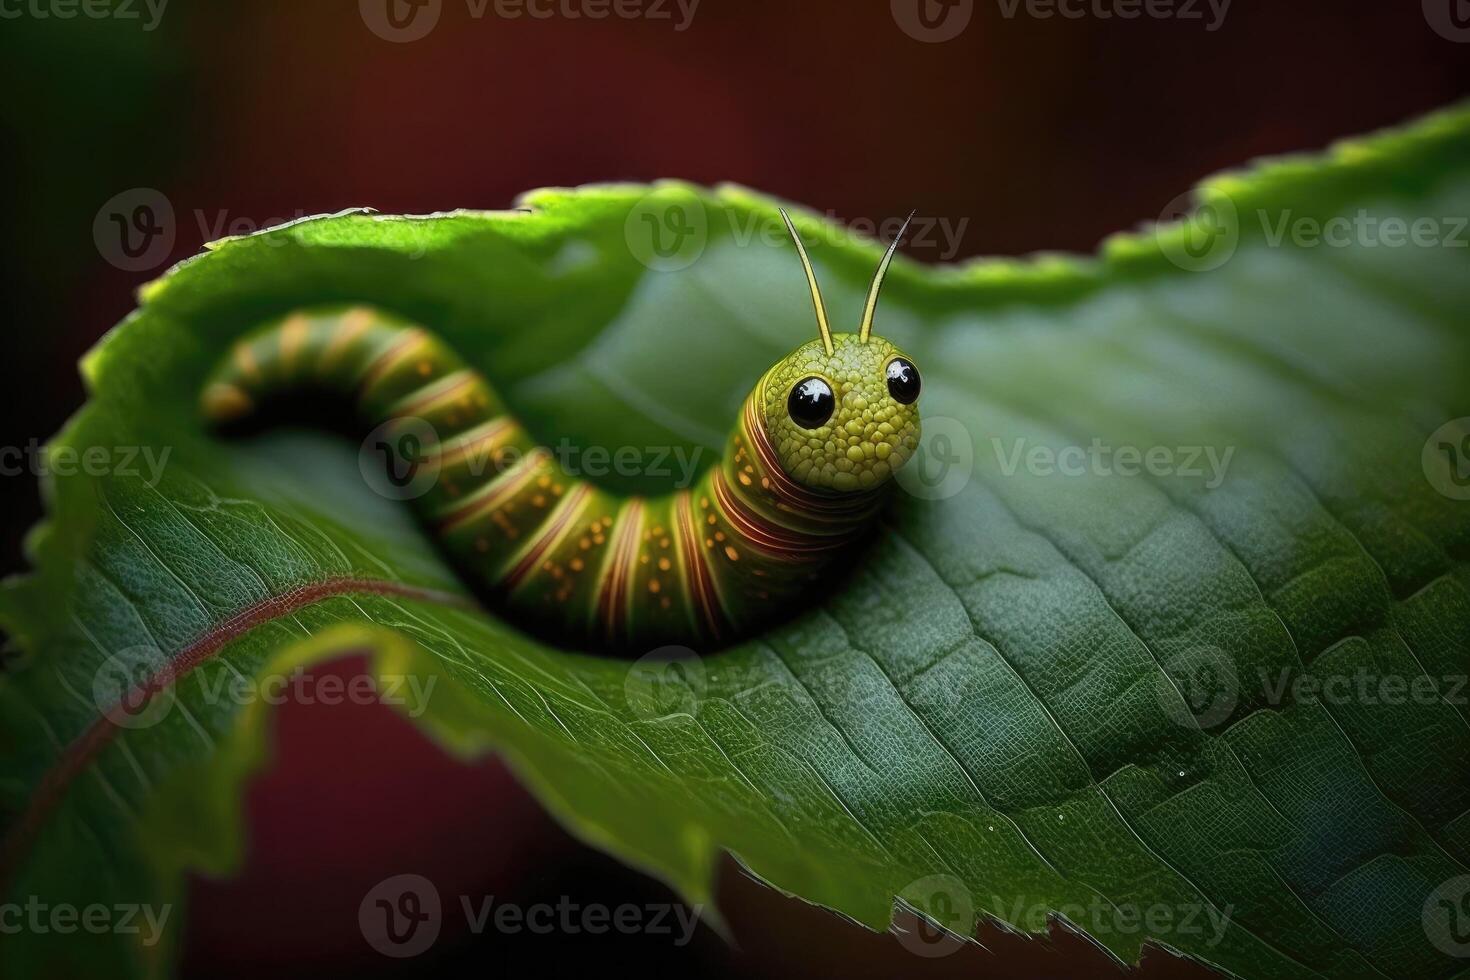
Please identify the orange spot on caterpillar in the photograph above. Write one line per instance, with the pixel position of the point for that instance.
(293, 335)
(664, 564)
(653, 585)
(731, 553)
(354, 324)
(245, 361)
(223, 401)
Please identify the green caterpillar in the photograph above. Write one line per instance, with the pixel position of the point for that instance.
(801, 478)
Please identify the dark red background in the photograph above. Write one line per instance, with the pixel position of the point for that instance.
(1042, 133)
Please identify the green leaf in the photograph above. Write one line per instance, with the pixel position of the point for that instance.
(1133, 699)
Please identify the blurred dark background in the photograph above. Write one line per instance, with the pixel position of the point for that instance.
(1025, 132)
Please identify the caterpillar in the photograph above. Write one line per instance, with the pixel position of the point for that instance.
(802, 475)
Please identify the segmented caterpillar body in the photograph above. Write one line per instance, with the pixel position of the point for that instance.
(801, 477)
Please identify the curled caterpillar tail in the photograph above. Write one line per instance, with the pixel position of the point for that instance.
(389, 368)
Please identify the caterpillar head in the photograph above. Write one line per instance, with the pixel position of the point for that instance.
(842, 411)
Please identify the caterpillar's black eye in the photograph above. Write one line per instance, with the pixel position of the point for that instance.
(903, 381)
(811, 403)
